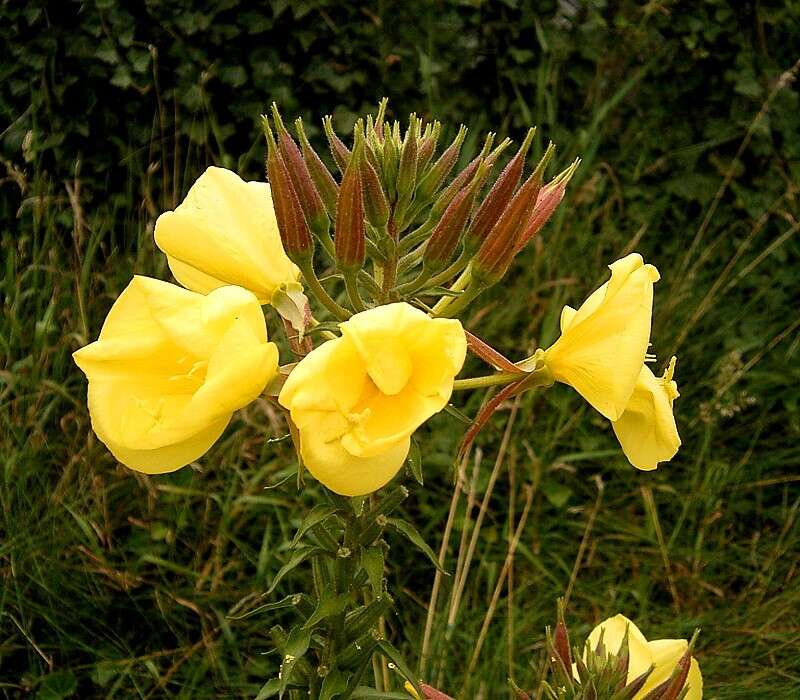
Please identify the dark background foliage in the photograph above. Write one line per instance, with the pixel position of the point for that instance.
(686, 117)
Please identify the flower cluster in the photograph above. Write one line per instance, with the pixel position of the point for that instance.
(406, 241)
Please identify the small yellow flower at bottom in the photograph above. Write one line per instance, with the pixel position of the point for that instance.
(169, 369)
(357, 400)
(662, 654)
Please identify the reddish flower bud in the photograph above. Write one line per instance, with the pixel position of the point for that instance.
(350, 238)
(376, 205)
(499, 247)
(326, 185)
(499, 196)
(295, 234)
(429, 185)
(547, 202)
(445, 237)
(427, 145)
(340, 152)
(310, 199)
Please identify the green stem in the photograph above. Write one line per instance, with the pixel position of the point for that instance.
(414, 285)
(351, 284)
(496, 379)
(416, 236)
(459, 285)
(460, 263)
(319, 291)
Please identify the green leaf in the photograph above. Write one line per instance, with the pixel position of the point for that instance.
(416, 539)
(319, 514)
(372, 563)
(269, 689)
(393, 654)
(288, 602)
(458, 415)
(329, 605)
(297, 558)
(414, 461)
(334, 684)
(58, 685)
(295, 649)
(367, 693)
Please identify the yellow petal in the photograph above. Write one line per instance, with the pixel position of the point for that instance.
(613, 629)
(170, 368)
(225, 233)
(646, 429)
(603, 345)
(346, 474)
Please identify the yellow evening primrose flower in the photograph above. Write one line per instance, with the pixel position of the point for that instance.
(602, 346)
(169, 369)
(646, 429)
(225, 233)
(357, 400)
(663, 654)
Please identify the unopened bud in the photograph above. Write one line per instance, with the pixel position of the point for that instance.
(499, 247)
(309, 197)
(429, 185)
(326, 185)
(350, 239)
(407, 171)
(294, 231)
(376, 205)
(499, 196)
(340, 152)
(447, 234)
(391, 158)
(561, 639)
(547, 202)
(427, 145)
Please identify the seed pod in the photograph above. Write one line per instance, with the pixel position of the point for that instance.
(294, 231)
(326, 185)
(310, 199)
(499, 196)
(340, 152)
(350, 239)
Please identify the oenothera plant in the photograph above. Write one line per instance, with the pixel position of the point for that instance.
(406, 245)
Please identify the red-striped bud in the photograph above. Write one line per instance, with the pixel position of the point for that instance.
(310, 199)
(376, 206)
(340, 152)
(294, 231)
(499, 247)
(350, 239)
(326, 185)
(427, 146)
(447, 234)
(499, 196)
(547, 202)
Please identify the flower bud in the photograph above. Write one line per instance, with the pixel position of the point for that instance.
(326, 185)
(499, 196)
(499, 247)
(429, 185)
(295, 235)
(445, 237)
(350, 239)
(340, 152)
(376, 206)
(407, 171)
(391, 156)
(427, 146)
(307, 193)
(547, 202)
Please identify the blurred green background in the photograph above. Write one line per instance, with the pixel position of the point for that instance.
(687, 117)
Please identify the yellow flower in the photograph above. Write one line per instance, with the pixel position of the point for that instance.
(646, 429)
(170, 368)
(663, 654)
(602, 345)
(225, 233)
(356, 400)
